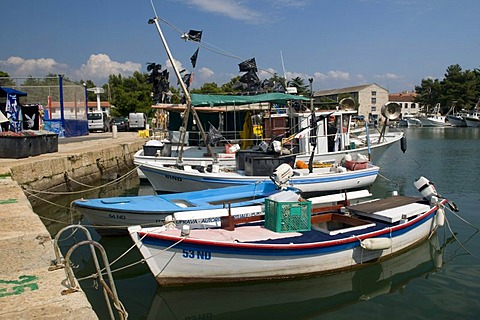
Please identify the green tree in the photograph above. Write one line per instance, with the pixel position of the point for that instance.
(5, 80)
(302, 88)
(462, 86)
(131, 94)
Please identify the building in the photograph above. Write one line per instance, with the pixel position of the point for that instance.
(406, 101)
(369, 98)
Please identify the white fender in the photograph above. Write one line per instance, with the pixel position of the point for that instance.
(376, 243)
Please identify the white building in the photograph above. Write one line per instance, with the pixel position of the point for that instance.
(369, 98)
(406, 101)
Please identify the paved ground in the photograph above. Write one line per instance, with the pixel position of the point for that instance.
(27, 289)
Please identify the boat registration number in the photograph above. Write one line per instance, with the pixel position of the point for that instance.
(197, 254)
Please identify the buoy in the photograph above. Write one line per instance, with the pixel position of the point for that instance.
(376, 243)
(425, 187)
(403, 144)
(440, 218)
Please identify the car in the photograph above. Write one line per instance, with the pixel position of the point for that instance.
(121, 123)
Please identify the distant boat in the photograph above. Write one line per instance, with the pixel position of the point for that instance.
(456, 119)
(434, 119)
(473, 119)
(291, 241)
(409, 120)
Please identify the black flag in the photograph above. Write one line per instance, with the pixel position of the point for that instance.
(193, 58)
(194, 35)
(248, 65)
(187, 79)
(250, 78)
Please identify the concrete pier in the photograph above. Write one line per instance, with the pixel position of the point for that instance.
(27, 289)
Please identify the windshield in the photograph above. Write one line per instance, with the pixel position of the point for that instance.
(94, 116)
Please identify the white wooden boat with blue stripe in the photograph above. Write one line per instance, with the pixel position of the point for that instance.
(164, 178)
(331, 240)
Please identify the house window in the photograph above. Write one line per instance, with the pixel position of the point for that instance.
(374, 93)
(374, 108)
(374, 100)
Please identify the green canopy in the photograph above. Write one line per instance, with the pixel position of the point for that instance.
(229, 100)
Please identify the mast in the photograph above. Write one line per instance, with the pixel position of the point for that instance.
(188, 99)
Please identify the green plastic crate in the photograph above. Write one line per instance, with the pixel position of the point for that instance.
(287, 216)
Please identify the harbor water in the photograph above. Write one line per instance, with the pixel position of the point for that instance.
(438, 279)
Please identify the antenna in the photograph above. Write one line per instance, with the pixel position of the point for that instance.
(283, 67)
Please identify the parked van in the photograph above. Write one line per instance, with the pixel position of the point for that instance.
(98, 121)
(137, 121)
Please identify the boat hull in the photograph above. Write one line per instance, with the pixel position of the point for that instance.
(456, 121)
(120, 212)
(175, 260)
(473, 121)
(170, 179)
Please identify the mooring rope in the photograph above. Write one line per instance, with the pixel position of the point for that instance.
(143, 260)
(85, 190)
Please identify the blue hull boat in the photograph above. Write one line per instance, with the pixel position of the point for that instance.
(120, 212)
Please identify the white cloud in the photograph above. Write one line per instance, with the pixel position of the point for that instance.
(230, 8)
(205, 74)
(387, 76)
(19, 67)
(332, 75)
(100, 67)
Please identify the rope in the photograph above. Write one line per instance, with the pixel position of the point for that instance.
(82, 191)
(143, 260)
(458, 241)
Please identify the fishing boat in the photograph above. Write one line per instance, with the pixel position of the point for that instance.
(301, 298)
(434, 119)
(115, 214)
(327, 177)
(292, 240)
(456, 119)
(473, 119)
(292, 128)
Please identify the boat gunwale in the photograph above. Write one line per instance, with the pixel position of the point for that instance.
(420, 219)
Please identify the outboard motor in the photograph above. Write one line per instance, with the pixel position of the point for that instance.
(282, 175)
(426, 188)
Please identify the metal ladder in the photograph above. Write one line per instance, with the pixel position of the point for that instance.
(109, 290)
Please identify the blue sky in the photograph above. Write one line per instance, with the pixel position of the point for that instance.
(339, 43)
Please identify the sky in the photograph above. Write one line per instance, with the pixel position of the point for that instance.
(338, 43)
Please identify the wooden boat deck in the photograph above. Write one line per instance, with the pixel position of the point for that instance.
(384, 204)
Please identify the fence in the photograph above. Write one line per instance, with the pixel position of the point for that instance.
(62, 103)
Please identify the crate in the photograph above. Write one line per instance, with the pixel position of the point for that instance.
(265, 165)
(288, 216)
(240, 156)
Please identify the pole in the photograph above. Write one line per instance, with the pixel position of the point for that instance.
(188, 99)
(86, 99)
(62, 111)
